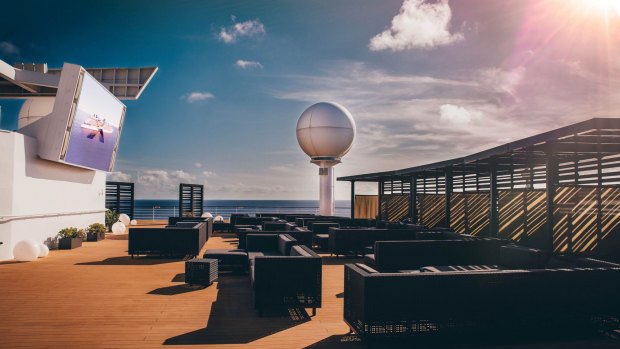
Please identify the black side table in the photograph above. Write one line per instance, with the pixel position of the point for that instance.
(200, 271)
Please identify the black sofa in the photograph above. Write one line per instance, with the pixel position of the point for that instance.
(343, 221)
(243, 220)
(414, 254)
(278, 225)
(347, 241)
(302, 235)
(379, 305)
(234, 216)
(322, 227)
(283, 274)
(187, 221)
(277, 215)
(182, 239)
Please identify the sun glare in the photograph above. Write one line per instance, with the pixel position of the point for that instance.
(603, 7)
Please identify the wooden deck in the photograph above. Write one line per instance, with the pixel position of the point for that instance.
(98, 297)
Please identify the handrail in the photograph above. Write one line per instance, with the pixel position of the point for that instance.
(7, 219)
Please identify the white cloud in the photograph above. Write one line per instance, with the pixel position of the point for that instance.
(238, 30)
(197, 165)
(248, 64)
(457, 115)
(8, 48)
(119, 176)
(502, 81)
(197, 96)
(162, 182)
(208, 173)
(419, 24)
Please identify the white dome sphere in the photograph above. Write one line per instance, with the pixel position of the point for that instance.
(326, 130)
(123, 218)
(43, 250)
(34, 109)
(218, 219)
(207, 215)
(133, 222)
(26, 250)
(118, 228)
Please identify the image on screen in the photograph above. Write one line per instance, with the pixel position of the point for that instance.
(95, 129)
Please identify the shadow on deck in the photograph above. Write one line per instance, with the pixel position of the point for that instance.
(233, 319)
(127, 260)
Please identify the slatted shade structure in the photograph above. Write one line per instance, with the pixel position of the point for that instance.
(191, 198)
(119, 196)
(558, 190)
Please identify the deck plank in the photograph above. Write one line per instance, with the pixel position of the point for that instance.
(98, 297)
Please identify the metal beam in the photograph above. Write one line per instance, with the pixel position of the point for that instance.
(413, 200)
(352, 199)
(493, 212)
(379, 198)
(551, 184)
(448, 194)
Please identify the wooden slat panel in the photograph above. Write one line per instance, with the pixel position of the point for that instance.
(432, 209)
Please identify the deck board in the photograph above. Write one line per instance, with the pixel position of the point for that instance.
(98, 297)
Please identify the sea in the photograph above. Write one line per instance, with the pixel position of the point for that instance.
(145, 209)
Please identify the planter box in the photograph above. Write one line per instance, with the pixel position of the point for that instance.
(69, 243)
(95, 236)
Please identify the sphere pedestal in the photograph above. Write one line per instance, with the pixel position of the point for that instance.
(326, 186)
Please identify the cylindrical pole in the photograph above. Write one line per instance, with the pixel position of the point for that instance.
(326, 204)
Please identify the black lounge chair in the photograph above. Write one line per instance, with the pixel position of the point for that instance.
(182, 239)
(379, 305)
(284, 275)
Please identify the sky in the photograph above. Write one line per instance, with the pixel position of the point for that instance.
(424, 80)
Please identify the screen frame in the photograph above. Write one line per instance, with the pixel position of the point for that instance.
(69, 125)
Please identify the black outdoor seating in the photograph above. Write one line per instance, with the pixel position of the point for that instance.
(302, 235)
(354, 241)
(278, 225)
(378, 305)
(201, 271)
(178, 240)
(277, 215)
(229, 260)
(283, 274)
(293, 217)
(174, 221)
(243, 220)
(322, 227)
(234, 216)
(307, 221)
(320, 241)
(414, 254)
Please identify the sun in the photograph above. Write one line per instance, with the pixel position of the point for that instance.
(602, 7)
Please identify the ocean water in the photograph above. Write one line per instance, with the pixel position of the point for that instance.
(162, 209)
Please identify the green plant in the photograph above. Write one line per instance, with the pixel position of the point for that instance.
(96, 228)
(111, 217)
(188, 214)
(71, 232)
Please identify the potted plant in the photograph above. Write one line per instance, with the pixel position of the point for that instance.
(111, 217)
(69, 238)
(95, 232)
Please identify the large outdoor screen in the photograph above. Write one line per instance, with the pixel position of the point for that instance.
(95, 128)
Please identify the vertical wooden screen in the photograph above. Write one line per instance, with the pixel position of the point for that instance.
(119, 196)
(191, 198)
(470, 213)
(366, 206)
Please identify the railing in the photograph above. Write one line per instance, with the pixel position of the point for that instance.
(163, 212)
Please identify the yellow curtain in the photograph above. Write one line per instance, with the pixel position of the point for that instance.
(366, 206)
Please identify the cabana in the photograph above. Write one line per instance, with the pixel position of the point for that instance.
(558, 191)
